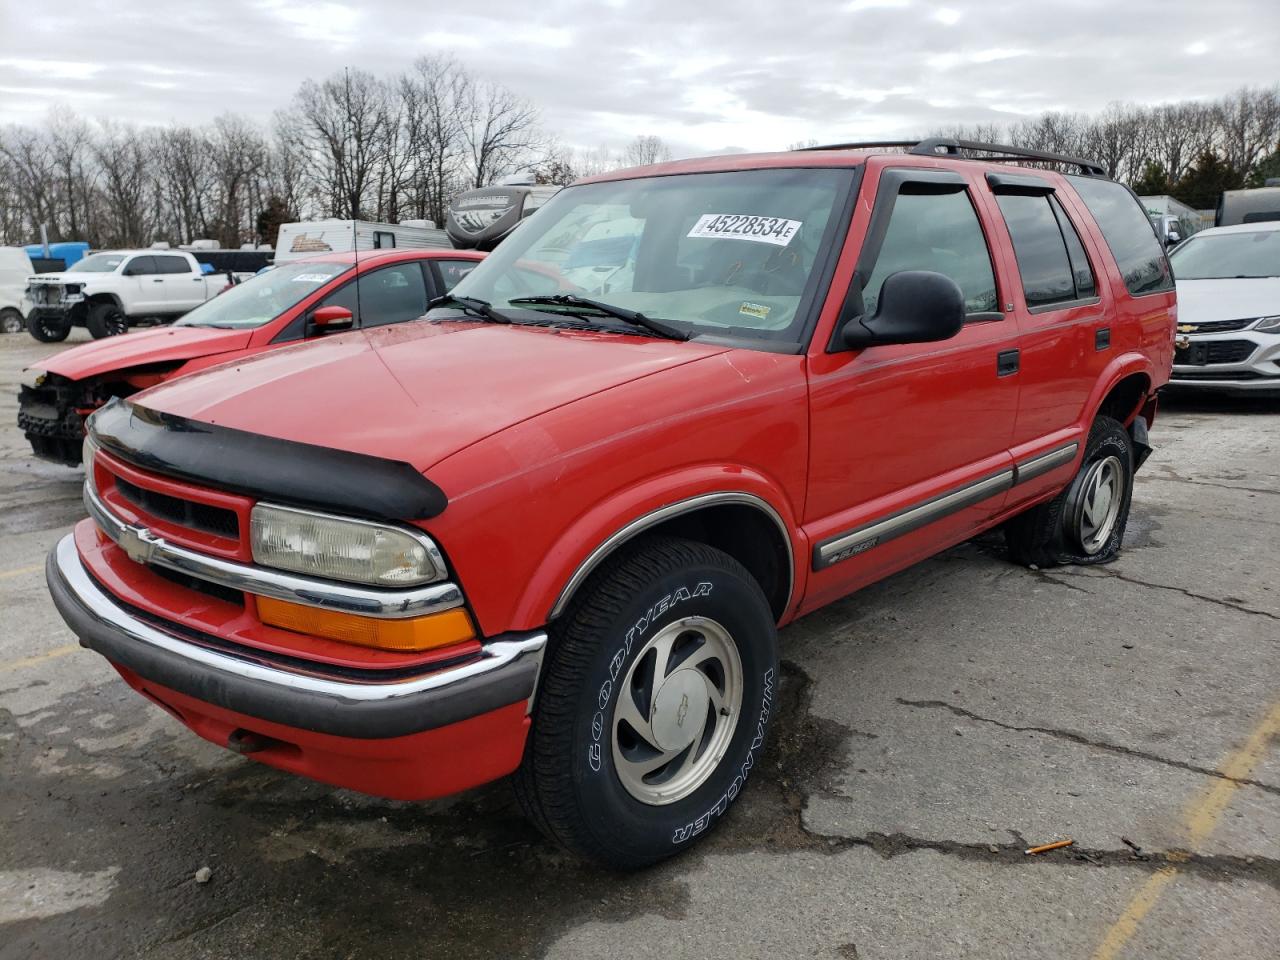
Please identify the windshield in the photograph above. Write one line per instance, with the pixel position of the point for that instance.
(724, 253)
(97, 263)
(1228, 255)
(264, 297)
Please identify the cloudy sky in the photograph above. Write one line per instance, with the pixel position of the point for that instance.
(705, 75)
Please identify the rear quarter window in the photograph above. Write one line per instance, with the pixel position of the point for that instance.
(1128, 233)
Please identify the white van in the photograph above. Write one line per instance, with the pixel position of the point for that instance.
(15, 269)
(315, 237)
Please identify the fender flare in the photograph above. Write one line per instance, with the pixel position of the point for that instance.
(105, 297)
(584, 544)
(1125, 365)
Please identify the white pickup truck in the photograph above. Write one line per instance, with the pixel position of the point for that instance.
(110, 291)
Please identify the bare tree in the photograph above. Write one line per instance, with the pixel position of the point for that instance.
(344, 122)
(125, 157)
(499, 130)
(644, 150)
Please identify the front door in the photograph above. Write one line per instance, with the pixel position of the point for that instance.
(909, 444)
(183, 290)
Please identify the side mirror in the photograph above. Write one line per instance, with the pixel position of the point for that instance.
(916, 306)
(330, 320)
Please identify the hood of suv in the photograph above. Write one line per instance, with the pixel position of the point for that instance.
(143, 347)
(416, 392)
(1201, 301)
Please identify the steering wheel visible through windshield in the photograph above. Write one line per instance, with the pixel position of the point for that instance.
(734, 253)
(262, 298)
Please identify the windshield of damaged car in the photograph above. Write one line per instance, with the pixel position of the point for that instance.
(734, 254)
(264, 297)
(97, 263)
(1228, 256)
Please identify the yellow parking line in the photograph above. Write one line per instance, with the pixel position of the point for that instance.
(39, 658)
(1198, 823)
(5, 575)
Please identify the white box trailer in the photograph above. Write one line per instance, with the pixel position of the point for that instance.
(314, 237)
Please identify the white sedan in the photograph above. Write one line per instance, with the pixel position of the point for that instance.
(1229, 309)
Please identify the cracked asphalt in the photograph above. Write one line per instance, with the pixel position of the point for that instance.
(930, 729)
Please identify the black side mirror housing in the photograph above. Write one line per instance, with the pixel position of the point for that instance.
(915, 306)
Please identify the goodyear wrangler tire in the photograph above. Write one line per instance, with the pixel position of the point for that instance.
(654, 705)
(1085, 523)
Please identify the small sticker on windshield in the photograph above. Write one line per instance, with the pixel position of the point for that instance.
(738, 226)
(311, 278)
(757, 310)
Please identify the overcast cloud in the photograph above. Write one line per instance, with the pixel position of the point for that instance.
(705, 76)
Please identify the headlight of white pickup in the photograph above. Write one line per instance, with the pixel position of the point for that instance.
(1269, 324)
(341, 548)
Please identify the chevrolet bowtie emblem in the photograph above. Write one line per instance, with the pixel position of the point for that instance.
(139, 544)
(1186, 328)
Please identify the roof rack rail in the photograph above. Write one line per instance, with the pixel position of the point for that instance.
(946, 146)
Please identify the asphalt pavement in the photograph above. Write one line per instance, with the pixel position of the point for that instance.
(931, 729)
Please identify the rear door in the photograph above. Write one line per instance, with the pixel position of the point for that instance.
(183, 289)
(909, 449)
(1061, 312)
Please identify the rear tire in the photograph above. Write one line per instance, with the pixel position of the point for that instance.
(11, 320)
(654, 704)
(1085, 523)
(106, 320)
(48, 329)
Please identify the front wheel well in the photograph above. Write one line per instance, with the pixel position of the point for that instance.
(1123, 400)
(752, 535)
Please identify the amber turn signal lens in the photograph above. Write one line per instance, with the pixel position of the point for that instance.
(410, 635)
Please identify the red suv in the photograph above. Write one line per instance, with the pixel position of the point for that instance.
(273, 308)
(553, 528)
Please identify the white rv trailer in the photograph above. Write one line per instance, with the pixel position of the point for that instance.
(314, 237)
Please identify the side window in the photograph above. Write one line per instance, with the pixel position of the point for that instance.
(383, 240)
(344, 296)
(938, 232)
(392, 295)
(1040, 248)
(1128, 233)
(1081, 272)
(141, 267)
(171, 265)
(451, 271)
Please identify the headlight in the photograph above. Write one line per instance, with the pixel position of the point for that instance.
(32, 377)
(340, 548)
(1268, 323)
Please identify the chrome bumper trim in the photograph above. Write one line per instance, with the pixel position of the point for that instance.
(145, 547)
(103, 611)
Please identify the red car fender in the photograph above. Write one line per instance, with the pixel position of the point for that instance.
(609, 524)
(1124, 365)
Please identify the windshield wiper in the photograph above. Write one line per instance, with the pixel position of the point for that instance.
(621, 313)
(472, 305)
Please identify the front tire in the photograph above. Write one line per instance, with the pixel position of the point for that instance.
(47, 327)
(106, 320)
(1085, 523)
(654, 705)
(11, 320)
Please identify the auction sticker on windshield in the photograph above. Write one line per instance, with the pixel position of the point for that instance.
(737, 226)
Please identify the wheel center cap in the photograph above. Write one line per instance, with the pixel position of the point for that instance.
(680, 709)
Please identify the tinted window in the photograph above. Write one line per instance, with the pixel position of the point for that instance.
(171, 265)
(141, 267)
(392, 295)
(1039, 247)
(451, 271)
(938, 232)
(1128, 233)
(383, 240)
(1080, 269)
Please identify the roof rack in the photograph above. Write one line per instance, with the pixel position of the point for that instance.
(945, 146)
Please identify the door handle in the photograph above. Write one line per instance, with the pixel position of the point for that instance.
(1007, 362)
(157, 279)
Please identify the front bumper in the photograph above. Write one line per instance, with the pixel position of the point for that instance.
(51, 419)
(1258, 370)
(285, 692)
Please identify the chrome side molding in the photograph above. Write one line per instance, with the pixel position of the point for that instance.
(861, 539)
